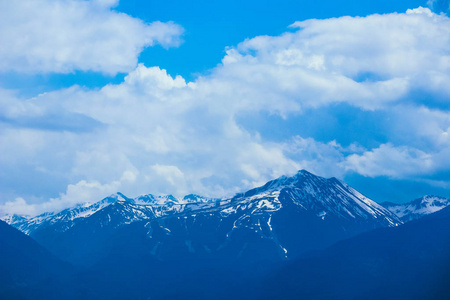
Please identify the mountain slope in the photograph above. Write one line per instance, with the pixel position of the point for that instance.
(27, 270)
(418, 208)
(411, 261)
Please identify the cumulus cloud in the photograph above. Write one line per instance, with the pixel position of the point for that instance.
(391, 161)
(42, 36)
(367, 61)
(154, 133)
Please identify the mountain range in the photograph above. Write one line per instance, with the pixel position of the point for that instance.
(163, 246)
(322, 211)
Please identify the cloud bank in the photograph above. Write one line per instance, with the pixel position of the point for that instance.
(160, 134)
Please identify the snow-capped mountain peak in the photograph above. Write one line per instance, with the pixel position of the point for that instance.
(323, 196)
(417, 208)
(150, 199)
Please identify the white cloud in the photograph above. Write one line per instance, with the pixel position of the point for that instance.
(317, 157)
(18, 206)
(81, 192)
(168, 174)
(392, 45)
(391, 161)
(153, 133)
(106, 3)
(41, 36)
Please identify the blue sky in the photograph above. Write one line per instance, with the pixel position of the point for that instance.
(214, 98)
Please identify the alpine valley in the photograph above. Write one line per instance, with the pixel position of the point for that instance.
(164, 247)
